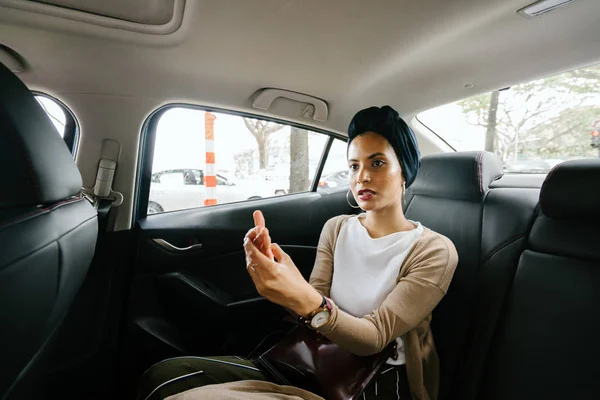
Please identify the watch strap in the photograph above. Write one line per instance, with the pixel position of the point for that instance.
(325, 304)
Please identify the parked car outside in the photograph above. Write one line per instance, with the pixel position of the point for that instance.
(179, 189)
(536, 166)
(334, 180)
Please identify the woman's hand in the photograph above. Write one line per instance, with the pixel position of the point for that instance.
(260, 235)
(279, 280)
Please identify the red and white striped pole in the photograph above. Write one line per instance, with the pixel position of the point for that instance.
(210, 172)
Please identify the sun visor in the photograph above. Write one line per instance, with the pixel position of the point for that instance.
(11, 59)
(147, 12)
(155, 17)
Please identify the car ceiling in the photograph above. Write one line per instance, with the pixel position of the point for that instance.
(350, 53)
(113, 73)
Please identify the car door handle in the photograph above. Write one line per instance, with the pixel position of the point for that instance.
(174, 249)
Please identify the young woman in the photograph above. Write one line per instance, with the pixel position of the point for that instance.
(377, 278)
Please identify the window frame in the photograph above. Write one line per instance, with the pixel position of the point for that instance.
(148, 141)
(434, 132)
(225, 181)
(72, 130)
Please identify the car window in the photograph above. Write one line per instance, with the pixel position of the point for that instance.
(210, 158)
(221, 181)
(532, 126)
(191, 177)
(62, 119)
(335, 171)
(174, 178)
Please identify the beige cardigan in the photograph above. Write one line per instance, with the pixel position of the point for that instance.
(422, 282)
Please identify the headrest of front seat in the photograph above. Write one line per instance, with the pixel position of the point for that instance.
(460, 175)
(37, 167)
(572, 190)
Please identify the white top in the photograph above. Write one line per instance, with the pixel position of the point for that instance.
(366, 269)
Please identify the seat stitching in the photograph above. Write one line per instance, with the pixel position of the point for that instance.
(226, 362)
(171, 381)
(202, 358)
(40, 211)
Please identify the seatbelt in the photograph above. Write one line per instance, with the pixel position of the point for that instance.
(103, 208)
(102, 197)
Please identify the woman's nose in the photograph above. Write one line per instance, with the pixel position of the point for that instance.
(363, 176)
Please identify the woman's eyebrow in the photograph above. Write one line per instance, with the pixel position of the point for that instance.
(370, 157)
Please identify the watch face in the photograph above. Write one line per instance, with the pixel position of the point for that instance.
(320, 319)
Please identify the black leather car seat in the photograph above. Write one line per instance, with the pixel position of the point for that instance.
(47, 235)
(545, 346)
(448, 197)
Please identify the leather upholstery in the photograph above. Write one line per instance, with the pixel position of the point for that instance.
(525, 287)
(47, 237)
(35, 163)
(460, 176)
(508, 214)
(545, 347)
(447, 197)
(571, 244)
(544, 344)
(568, 191)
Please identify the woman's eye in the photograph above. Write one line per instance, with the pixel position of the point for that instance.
(378, 163)
(353, 167)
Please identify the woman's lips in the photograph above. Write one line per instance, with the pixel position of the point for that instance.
(365, 194)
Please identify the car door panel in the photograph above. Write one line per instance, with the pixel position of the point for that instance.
(202, 301)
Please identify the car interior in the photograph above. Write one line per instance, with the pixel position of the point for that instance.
(98, 282)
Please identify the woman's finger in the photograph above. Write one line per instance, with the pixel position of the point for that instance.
(261, 235)
(256, 233)
(263, 265)
(259, 218)
(278, 253)
(263, 242)
(259, 221)
(252, 234)
(261, 239)
(253, 254)
(266, 249)
(249, 246)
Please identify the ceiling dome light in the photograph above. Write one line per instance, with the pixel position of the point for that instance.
(542, 7)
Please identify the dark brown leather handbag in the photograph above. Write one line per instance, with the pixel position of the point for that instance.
(308, 360)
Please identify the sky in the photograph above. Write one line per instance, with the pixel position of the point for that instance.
(449, 123)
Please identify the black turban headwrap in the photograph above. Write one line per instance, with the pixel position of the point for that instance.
(386, 122)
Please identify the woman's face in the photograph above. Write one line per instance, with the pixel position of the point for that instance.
(375, 172)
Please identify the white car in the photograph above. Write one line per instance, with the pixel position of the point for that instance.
(179, 189)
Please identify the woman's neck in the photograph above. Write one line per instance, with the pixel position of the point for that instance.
(387, 221)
